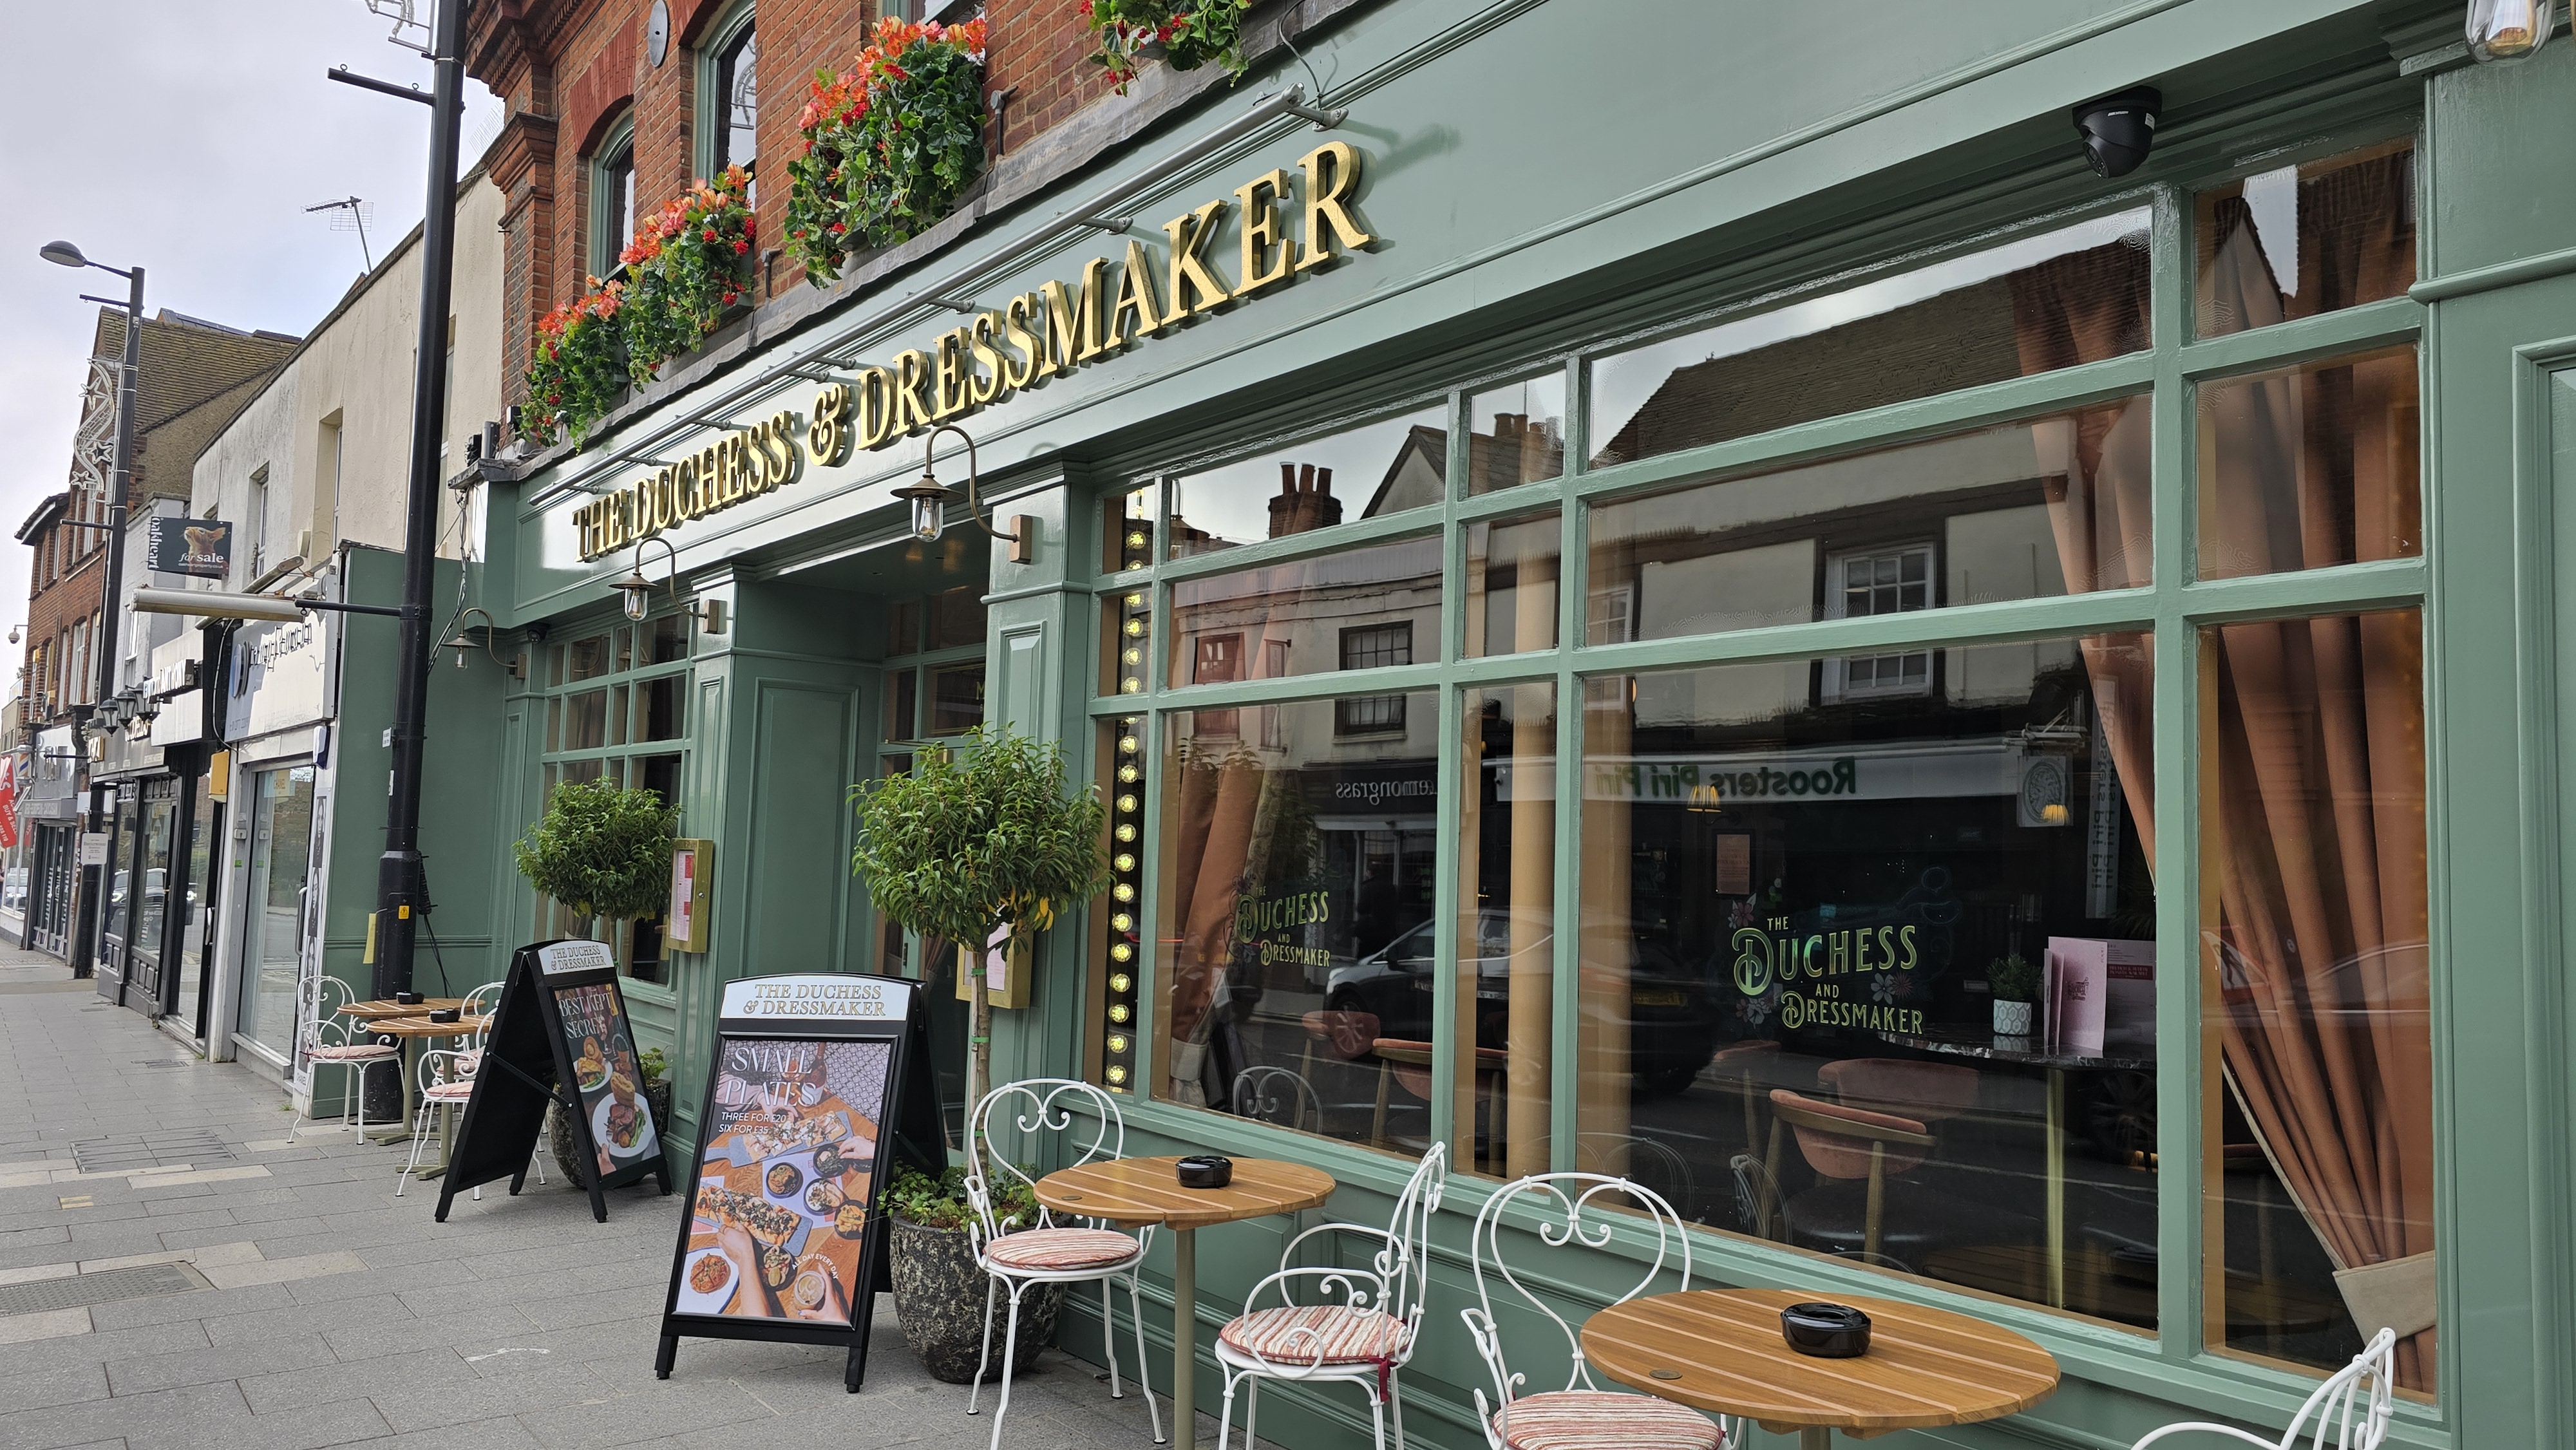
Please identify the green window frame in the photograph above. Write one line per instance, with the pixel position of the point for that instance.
(1142, 560)
(610, 175)
(613, 703)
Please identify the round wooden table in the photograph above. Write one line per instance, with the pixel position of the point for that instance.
(1131, 1192)
(1720, 1350)
(411, 1032)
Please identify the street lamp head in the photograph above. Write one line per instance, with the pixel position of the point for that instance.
(62, 254)
(637, 592)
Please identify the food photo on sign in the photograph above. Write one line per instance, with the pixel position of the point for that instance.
(781, 1215)
(606, 1076)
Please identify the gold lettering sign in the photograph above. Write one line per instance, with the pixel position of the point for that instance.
(1290, 224)
(742, 464)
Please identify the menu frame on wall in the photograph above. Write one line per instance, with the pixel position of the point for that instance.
(805, 1066)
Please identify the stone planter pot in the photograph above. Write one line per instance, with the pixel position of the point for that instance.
(939, 1296)
(657, 1097)
(2012, 1019)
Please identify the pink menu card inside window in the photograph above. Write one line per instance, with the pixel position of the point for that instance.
(2075, 988)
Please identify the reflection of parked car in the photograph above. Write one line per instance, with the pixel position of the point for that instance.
(1672, 1024)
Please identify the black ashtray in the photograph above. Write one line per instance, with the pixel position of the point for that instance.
(409, 999)
(1204, 1170)
(1827, 1331)
(446, 1014)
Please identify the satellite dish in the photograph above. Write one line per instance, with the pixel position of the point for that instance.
(657, 32)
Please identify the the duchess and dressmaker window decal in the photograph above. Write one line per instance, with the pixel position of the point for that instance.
(1866, 962)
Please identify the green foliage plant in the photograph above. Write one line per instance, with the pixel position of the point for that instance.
(2012, 979)
(980, 837)
(888, 144)
(602, 848)
(689, 262)
(1188, 33)
(941, 1202)
(577, 362)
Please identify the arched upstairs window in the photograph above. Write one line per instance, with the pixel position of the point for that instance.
(612, 196)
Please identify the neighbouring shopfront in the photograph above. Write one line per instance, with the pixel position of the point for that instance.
(49, 835)
(1658, 634)
(304, 708)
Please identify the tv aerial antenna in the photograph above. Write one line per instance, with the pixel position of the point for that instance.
(400, 13)
(351, 215)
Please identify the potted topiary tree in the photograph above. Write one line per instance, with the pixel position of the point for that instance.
(980, 840)
(604, 851)
(2015, 985)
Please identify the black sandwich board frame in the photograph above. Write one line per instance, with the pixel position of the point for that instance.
(821, 1007)
(527, 1064)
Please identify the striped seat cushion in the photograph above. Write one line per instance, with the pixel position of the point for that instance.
(1603, 1420)
(353, 1052)
(1302, 1334)
(1061, 1250)
(448, 1092)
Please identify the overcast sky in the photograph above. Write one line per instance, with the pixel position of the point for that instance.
(187, 138)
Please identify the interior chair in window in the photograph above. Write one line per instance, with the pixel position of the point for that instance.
(1336, 1036)
(1406, 1063)
(1932, 1092)
(2350, 1411)
(1084, 1121)
(1573, 1213)
(1855, 1153)
(330, 1038)
(1744, 1068)
(1337, 1322)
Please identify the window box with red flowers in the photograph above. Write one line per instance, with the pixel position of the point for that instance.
(1183, 34)
(889, 144)
(578, 367)
(690, 265)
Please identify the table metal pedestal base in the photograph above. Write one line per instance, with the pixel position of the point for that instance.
(1185, 1337)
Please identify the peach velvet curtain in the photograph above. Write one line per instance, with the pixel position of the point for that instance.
(2314, 832)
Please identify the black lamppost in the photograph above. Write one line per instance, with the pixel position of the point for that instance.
(64, 254)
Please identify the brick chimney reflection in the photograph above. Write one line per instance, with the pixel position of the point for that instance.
(1305, 500)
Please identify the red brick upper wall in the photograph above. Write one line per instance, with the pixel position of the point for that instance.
(1040, 51)
(581, 64)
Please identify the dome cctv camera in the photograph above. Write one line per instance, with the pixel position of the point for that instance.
(2119, 130)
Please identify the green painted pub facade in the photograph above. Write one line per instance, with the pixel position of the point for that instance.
(1677, 553)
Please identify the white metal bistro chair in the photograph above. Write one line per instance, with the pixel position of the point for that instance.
(447, 1080)
(330, 1038)
(1576, 1210)
(1366, 1337)
(1046, 1252)
(2354, 1407)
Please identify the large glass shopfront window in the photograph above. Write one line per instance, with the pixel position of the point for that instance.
(1810, 918)
(1751, 786)
(933, 687)
(281, 851)
(617, 707)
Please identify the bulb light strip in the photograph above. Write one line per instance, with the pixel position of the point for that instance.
(1125, 789)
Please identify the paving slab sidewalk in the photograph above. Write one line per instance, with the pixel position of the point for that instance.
(334, 1313)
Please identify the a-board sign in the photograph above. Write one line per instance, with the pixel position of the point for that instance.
(818, 1086)
(559, 1036)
